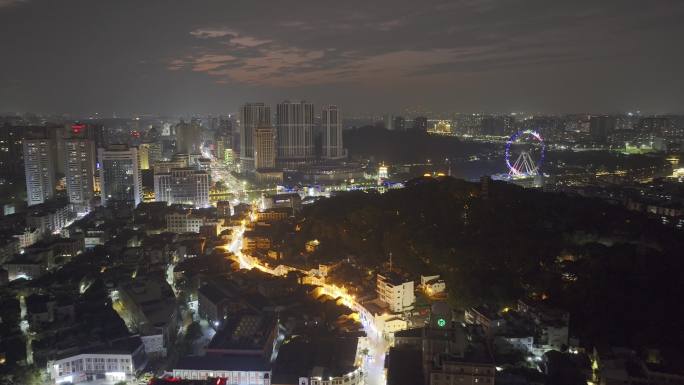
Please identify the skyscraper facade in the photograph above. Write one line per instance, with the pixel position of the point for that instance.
(188, 137)
(120, 174)
(331, 130)
(182, 185)
(39, 166)
(295, 127)
(144, 156)
(252, 116)
(223, 147)
(264, 148)
(79, 170)
(154, 153)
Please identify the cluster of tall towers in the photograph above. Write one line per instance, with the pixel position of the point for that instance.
(294, 136)
(76, 149)
(293, 140)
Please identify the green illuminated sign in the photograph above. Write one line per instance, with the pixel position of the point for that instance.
(441, 322)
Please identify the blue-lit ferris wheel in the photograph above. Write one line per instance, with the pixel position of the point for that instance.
(528, 149)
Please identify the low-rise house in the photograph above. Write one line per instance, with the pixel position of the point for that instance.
(118, 360)
(397, 292)
(150, 310)
(48, 217)
(236, 369)
(27, 266)
(490, 320)
(432, 285)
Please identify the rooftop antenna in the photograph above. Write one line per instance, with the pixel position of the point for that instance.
(390, 266)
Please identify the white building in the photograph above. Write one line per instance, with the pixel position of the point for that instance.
(355, 377)
(48, 218)
(182, 185)
(252, 115)
(507, 344)
(236, 369)
(144, 156)
(264, 148)
(30, 236)
(396, 292)
(391, 324)
(376, 313)
(432, 284)
(117, 362)
(79, 170)
(120, 178)
(39, 165)
(295, 123)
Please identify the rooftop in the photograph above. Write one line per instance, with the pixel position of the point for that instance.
(223, 362)
(316, 357)
(393, 278)
(248, 332)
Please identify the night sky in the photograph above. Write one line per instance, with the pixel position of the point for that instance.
(180, 57)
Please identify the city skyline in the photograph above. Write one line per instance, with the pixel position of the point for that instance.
(387, 192)
(83, 57)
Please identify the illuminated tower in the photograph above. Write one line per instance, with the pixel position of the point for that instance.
(264, 148)
(331, 128)
(252, 115)
(39, 166)
(182, 185)
(120, 175)
(295, 123)
(79, 171)
(144, 156)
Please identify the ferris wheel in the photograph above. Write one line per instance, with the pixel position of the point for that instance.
(527, 148)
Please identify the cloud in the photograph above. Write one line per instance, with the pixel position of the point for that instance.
(8, 3)
(233, 37)
(203, 33)
(392, 49)
(248, 41)
(393, 38)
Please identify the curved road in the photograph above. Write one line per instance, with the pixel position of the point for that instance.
(374, 364)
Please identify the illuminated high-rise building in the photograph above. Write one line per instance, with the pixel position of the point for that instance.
(182, 185)
(264, 148)
(79, 171)
(252, 116)
(331, 130)
(154, 153)
(39, 166)
(295, 127)
(144, 156)
(223, 145)
(383, 171)
(120, 174)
